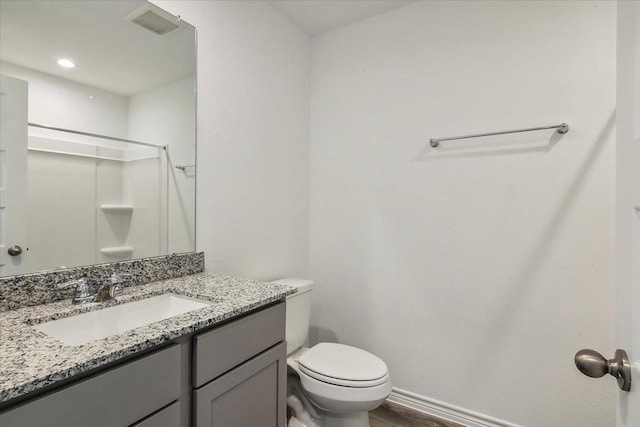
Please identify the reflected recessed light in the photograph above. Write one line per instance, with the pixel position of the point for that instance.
(66, 63)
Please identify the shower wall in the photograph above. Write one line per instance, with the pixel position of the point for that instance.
(60, 219)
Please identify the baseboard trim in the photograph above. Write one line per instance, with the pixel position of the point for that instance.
(444, 410)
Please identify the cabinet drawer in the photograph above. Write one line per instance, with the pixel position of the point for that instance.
(117, 397)
(168, 417)
(222, 349)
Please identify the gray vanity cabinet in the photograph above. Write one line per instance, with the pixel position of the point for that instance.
(239, 372)
(117, 397)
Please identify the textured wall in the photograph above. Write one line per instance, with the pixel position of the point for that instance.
(253, 132)
(475, 271)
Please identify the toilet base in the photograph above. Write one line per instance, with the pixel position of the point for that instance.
(322, 417)
(333, 405)
(352, 419)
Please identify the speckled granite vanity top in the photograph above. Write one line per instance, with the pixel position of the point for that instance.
(30, 360)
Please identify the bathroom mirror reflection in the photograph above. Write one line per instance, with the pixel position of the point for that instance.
(97, 144)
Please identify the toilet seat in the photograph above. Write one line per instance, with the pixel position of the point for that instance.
(343, 365)
(343, 400)
(342, 382)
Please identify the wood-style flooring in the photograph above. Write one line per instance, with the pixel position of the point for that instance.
(393, 415)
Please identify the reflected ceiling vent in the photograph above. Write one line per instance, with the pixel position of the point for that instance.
(154, 19)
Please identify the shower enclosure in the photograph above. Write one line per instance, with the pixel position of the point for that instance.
(105, 199)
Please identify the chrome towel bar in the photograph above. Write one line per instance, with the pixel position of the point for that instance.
(562, 128)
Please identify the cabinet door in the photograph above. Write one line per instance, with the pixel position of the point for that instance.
(253, 394)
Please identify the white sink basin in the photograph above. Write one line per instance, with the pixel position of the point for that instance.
(98, 324)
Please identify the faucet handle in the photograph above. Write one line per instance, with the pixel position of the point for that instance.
(81, 294)
(117, 277)
(115, 282)
(70, 283)
(82, 290)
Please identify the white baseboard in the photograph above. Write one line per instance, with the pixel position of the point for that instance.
(444, 410)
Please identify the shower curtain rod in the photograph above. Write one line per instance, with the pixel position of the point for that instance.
(562, 129)
(90, 156)
(95, 135)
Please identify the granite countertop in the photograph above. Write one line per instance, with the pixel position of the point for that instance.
(30, 360)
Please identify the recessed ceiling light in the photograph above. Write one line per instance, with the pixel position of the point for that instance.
(66, 63)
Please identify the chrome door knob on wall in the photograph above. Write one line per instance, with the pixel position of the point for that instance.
(593, 364)
(14, 250)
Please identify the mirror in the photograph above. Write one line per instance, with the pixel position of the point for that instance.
(97, 143)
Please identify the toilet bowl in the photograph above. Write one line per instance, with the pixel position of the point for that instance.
(342, 382)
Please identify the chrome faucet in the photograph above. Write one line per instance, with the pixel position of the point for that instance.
(81, 294)
(108, 290)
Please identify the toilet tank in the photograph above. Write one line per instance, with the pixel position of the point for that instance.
(298, 312)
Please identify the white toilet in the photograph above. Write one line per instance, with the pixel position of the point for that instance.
(343, 382)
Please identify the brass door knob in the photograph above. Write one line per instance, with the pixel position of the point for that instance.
(593, 364)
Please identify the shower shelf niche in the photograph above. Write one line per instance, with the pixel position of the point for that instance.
(117, 251)
(117, 209)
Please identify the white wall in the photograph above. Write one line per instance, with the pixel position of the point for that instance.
(476, 271)
(63, 103)
(253, 107)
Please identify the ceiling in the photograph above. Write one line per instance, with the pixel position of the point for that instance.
(115, 55)
(318, 16)
(110, 53)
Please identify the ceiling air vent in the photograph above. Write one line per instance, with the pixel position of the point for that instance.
(154, 19)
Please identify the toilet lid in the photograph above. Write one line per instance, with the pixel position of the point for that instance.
(343, 365)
